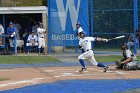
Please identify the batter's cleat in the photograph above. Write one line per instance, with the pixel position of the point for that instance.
(106, 68)
(83, 69)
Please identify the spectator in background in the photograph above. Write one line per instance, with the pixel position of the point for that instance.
(34, 28)
(18, 29)
(25, 38)
(11, 31)
(32, 41)
(138, 39)
(1, 32)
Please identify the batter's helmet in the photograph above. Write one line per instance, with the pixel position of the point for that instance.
(82, 32)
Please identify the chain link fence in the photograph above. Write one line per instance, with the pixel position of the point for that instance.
(109, 19)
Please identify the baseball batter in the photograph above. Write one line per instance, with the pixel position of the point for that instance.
(41, 40)
(85, 43)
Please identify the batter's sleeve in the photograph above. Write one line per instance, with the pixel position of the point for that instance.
(91, 38)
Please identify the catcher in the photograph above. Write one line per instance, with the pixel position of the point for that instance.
(129, 60)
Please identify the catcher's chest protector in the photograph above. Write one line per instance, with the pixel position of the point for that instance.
(124, 55)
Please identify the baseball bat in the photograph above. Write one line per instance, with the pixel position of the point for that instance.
(118, 37)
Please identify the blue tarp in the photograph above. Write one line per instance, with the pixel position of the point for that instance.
(63, 17)
(80, 86)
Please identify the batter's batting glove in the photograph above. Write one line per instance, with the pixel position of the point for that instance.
(80, 47)
(105, 40)
(12, 35)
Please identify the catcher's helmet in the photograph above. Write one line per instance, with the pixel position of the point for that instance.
(124, 46)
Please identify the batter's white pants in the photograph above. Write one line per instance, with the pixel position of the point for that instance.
(90, 56)
(41, 42)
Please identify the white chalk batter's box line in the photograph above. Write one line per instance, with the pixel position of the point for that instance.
(37, 80)
(32, 81)
(67, 70)
(70, 72)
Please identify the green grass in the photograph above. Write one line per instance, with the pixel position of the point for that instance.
(3, 79)
(109, 58)
(26, 59)
(107, 49)
(46, 59)
(28, 2)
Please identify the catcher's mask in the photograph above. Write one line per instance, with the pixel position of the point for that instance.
(124, 46)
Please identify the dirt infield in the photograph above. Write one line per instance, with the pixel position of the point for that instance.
(20, 77)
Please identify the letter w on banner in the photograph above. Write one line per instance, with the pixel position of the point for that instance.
(63, 16)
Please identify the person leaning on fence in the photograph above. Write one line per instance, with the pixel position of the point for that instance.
(1, 32)
(138, 40)
(130, 42)
(32, 42)
(11, 31)
(129, 60)
(25, 39)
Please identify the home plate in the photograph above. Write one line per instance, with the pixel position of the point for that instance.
(67, 74)
(83, 71)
